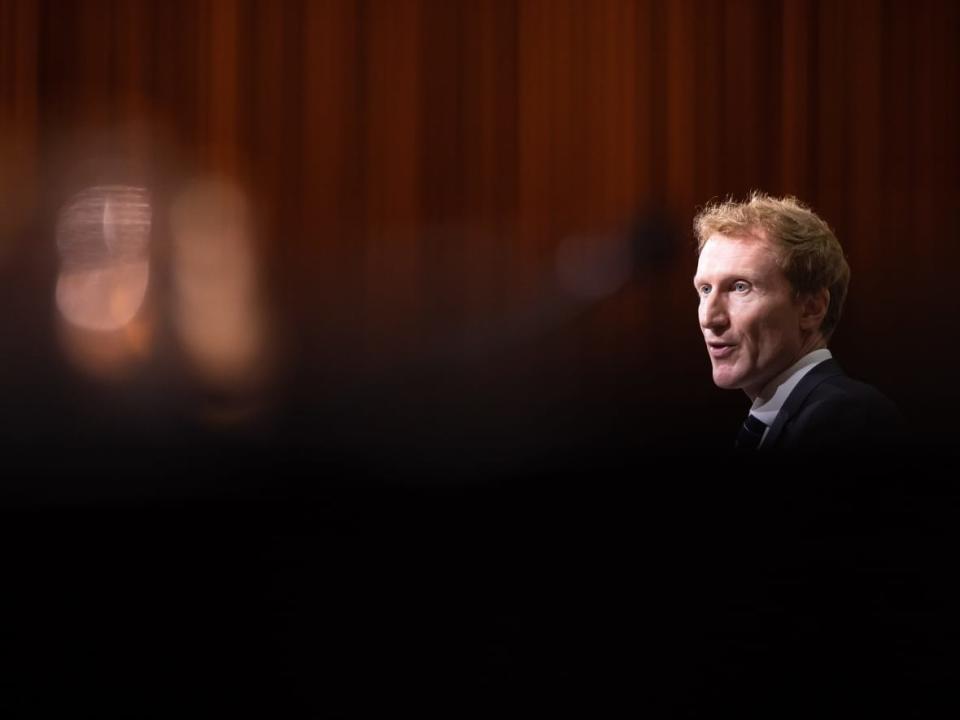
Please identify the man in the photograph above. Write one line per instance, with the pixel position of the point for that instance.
(771, 280)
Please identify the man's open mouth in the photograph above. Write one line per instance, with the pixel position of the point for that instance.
(720, 350)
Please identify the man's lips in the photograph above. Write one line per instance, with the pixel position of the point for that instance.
(720, 350)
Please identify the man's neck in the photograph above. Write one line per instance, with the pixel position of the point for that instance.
(775, 391)
(814, 342)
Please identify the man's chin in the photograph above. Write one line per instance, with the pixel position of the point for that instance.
(725, 381)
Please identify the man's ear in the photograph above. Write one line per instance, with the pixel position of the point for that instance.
(813, 308)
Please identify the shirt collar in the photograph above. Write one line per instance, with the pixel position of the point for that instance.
(768, 403)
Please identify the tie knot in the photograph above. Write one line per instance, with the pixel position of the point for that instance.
(751, 433)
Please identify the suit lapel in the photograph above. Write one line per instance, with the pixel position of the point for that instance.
(821, 371)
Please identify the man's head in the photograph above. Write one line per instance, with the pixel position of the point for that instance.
(771, 279)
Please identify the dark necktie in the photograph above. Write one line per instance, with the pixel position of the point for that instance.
(751, 433)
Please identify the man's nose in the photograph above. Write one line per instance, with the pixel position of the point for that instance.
(713, 312)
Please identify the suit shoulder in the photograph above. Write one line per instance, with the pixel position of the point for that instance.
(842, 391)
(843, 412)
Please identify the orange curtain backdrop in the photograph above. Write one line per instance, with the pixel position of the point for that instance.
(19, 123)
(415, 164)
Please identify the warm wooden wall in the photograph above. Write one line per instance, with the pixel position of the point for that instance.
(416, 163)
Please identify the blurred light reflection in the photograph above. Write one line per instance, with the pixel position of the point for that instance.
(104, 298)
(103, 235)
(217, 314)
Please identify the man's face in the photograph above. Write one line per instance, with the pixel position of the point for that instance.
(748, 312)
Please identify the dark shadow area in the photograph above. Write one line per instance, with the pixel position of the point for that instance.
(291, 580)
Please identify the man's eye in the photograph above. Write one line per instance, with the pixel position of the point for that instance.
(704, 290)
(740, 286)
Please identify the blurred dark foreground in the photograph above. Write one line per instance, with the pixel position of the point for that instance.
(283, 581)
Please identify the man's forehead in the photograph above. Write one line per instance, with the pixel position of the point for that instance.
(740, 245)
(752, 236)
(741, 252)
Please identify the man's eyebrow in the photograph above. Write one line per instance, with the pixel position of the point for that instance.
(698, 281)
(730, 277)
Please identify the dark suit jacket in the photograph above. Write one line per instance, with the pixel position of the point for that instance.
(830, 410)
